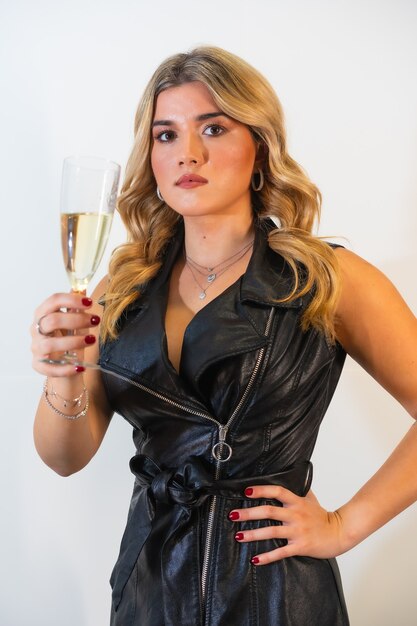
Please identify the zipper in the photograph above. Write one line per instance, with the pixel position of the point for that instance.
(221, 451)
(216, 452)
(223, 430)
(160, 396)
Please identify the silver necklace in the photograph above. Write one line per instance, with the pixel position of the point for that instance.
(203, 290)
(209, 272)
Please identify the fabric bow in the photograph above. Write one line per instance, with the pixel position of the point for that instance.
(175, 493)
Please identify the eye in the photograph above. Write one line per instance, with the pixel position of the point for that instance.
(165, 136)
(213, 130)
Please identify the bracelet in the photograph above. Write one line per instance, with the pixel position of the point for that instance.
(75, 401)
(58, 412)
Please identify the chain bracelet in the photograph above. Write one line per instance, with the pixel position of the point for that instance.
(61, 413)
(74, 401)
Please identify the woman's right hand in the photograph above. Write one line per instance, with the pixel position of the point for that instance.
(58, 314)
(67, 445)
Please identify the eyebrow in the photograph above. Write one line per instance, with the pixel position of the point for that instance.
(199, 118)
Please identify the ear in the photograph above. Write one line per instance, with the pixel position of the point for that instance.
(261, 154)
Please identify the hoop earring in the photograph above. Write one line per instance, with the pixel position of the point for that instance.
(158, 193)
(257, 187)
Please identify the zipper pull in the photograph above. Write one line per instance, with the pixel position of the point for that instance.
(221, 450)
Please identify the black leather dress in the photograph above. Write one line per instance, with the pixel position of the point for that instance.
(245, 409)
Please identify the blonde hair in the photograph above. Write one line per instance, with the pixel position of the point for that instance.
(244, 94)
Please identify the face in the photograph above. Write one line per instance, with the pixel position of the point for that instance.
(202, 159)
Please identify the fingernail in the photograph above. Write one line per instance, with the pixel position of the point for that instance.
(89, 339)
(254, 560)
(234, 515)
(79, 368)
(87, 301)
(239, 536)
(248, 491)
(94, 320)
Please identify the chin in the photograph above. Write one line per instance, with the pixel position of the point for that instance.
(195, 210)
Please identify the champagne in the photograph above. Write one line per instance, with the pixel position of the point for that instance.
(84, 237)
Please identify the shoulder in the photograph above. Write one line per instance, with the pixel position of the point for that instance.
(362, 284)
(377, 328)
(355, 268)
(366, 295)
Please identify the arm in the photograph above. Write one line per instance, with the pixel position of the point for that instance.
(377, 329)
(68, 445)
(380, 332)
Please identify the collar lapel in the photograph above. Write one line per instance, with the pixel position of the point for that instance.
(268, 277)
(235, 322)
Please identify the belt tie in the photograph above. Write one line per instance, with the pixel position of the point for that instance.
(179, 491)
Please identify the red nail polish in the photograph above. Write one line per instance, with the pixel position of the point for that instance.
(254, 560)
(94, 320)
(89, 339)
(239, 536)
(248, 491)
(87, 301)
(234, 515)
(79, 368)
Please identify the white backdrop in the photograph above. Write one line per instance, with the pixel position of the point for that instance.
(71, 75)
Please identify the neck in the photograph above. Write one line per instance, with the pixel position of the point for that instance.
(211, 239)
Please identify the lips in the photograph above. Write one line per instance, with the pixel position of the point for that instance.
(191, 180)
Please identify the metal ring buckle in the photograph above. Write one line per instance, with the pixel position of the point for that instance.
(217, 451)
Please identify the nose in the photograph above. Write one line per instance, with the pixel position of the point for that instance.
(192, 150)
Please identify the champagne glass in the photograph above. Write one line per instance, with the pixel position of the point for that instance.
(88, 199)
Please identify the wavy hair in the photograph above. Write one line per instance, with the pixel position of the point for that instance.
(288, 195)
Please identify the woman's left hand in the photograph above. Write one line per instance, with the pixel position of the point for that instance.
(309, 529)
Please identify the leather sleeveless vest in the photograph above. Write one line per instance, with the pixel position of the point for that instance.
(245, 409)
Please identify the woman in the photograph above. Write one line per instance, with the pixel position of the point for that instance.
(227, 336)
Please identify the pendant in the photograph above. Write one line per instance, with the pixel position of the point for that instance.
(211, 277)
(202, 295)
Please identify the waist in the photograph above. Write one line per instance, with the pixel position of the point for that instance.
(191, 483)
